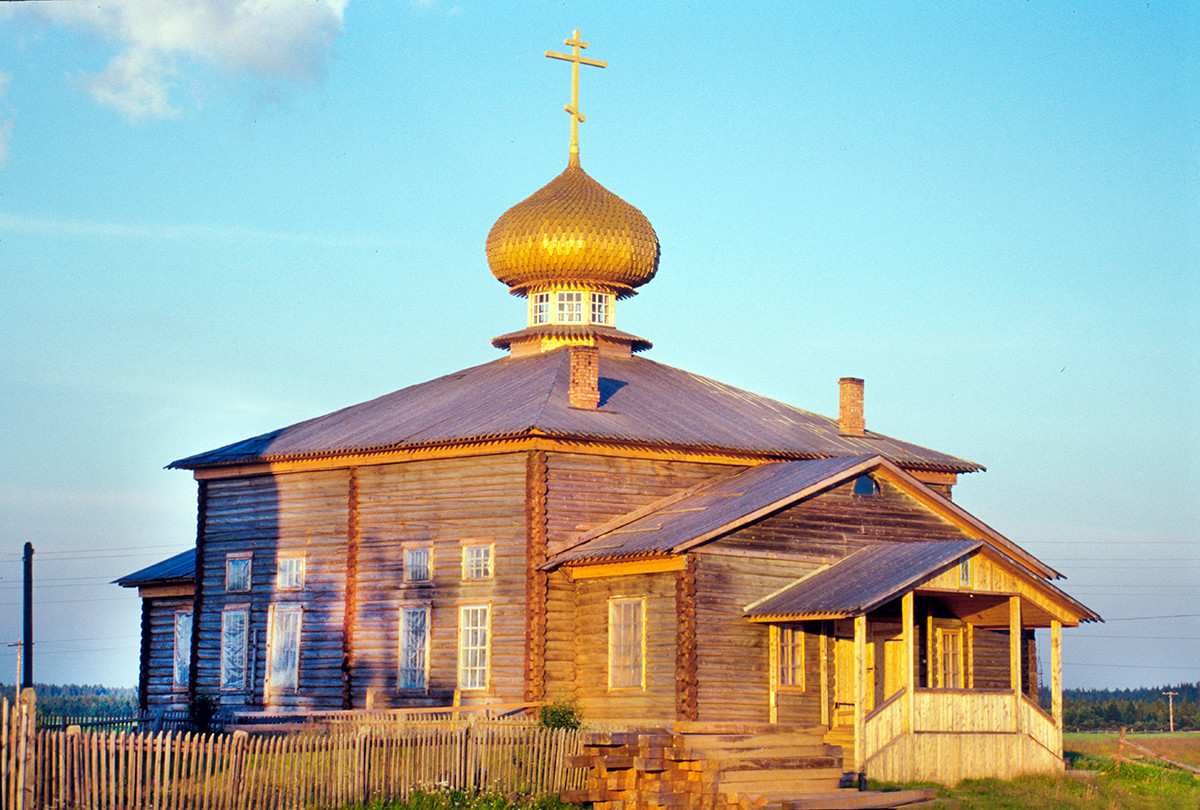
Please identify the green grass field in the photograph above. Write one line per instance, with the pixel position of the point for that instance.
(1137, 785)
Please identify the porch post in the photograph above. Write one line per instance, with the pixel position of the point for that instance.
(1056, 680)
(826, 629)
(860, 691)
(908, 631)
(1014, 656)
(773, 672)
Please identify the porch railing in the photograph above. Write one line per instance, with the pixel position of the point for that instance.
(958, 734)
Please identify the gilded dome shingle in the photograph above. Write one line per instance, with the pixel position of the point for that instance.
(573, 230)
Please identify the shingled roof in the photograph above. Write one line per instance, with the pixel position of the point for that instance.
(641, 402)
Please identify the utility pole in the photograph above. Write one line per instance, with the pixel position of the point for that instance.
(1171, 707)
(27, 636)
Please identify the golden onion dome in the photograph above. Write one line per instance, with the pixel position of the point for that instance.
(573, 231)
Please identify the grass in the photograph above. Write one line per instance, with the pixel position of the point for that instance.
(468, 800)
(1134, 785)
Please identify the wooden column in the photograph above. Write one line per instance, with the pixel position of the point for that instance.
(969, 657)
(826, 630)
(1014, 656)
(1056, 703)
(860, 690)
(773, 673)
(931, 663)
(908, 635)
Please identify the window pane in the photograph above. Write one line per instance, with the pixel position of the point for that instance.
(237, 573)
(477, 562)
(414, 636)
(233, 649)
(183, 648)
(416, 565)
(291, 573)
(791, 656)
(285, 648)
(625, 643)
(473, 647)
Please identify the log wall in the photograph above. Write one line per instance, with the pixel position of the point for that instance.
(657, 700)
(269, 516)
(158, 640)
(732, 653)
(444, 503)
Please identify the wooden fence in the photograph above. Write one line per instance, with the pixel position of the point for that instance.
(103, 770)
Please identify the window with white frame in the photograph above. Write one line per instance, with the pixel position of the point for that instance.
(290, 576)
(414, 647)
(234, 631)
(283, 648)
(237, 572)
(417, 566)
(791, 656)
(477, 562)
(473, 646)
(601, 308)
(964, 573)
(539, 308)
(626, 643)
(570, 306)
(950, 658)
(182, 656)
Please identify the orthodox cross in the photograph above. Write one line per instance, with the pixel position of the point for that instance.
(577, 43)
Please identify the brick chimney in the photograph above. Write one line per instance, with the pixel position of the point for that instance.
(585, 377)
(850, 406)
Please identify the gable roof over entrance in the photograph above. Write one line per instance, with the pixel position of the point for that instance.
(641, 402)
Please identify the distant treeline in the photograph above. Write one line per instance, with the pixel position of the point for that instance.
(80, 701)
(1142, 709)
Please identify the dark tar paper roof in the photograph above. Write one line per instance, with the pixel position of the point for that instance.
(863, 581)
(180, 568)
(641, 402)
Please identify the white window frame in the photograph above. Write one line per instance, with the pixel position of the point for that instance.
(233, 654)
(964, 573)
(232, 562)
(951, 657)
(181, 652)
(409, 569)
(601, 308)
(290, 680)
(474, 647)
(419, 653)
(541, 308)
(293, 579)
(569, 306)
(626, 643)
(473, 568)
(791, 657)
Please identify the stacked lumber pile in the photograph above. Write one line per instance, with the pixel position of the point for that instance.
(706, 766)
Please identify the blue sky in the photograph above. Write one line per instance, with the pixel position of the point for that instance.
(221, 217)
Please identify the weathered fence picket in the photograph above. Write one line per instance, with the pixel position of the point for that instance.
(170, 770)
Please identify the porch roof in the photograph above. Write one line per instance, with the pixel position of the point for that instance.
(861, 582)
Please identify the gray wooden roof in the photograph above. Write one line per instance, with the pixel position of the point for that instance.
(180, 568)
(862, 581)
(642, 402)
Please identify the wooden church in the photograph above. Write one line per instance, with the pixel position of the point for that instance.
(575, 519)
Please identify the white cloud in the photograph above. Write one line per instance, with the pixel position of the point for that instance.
(278, 40)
